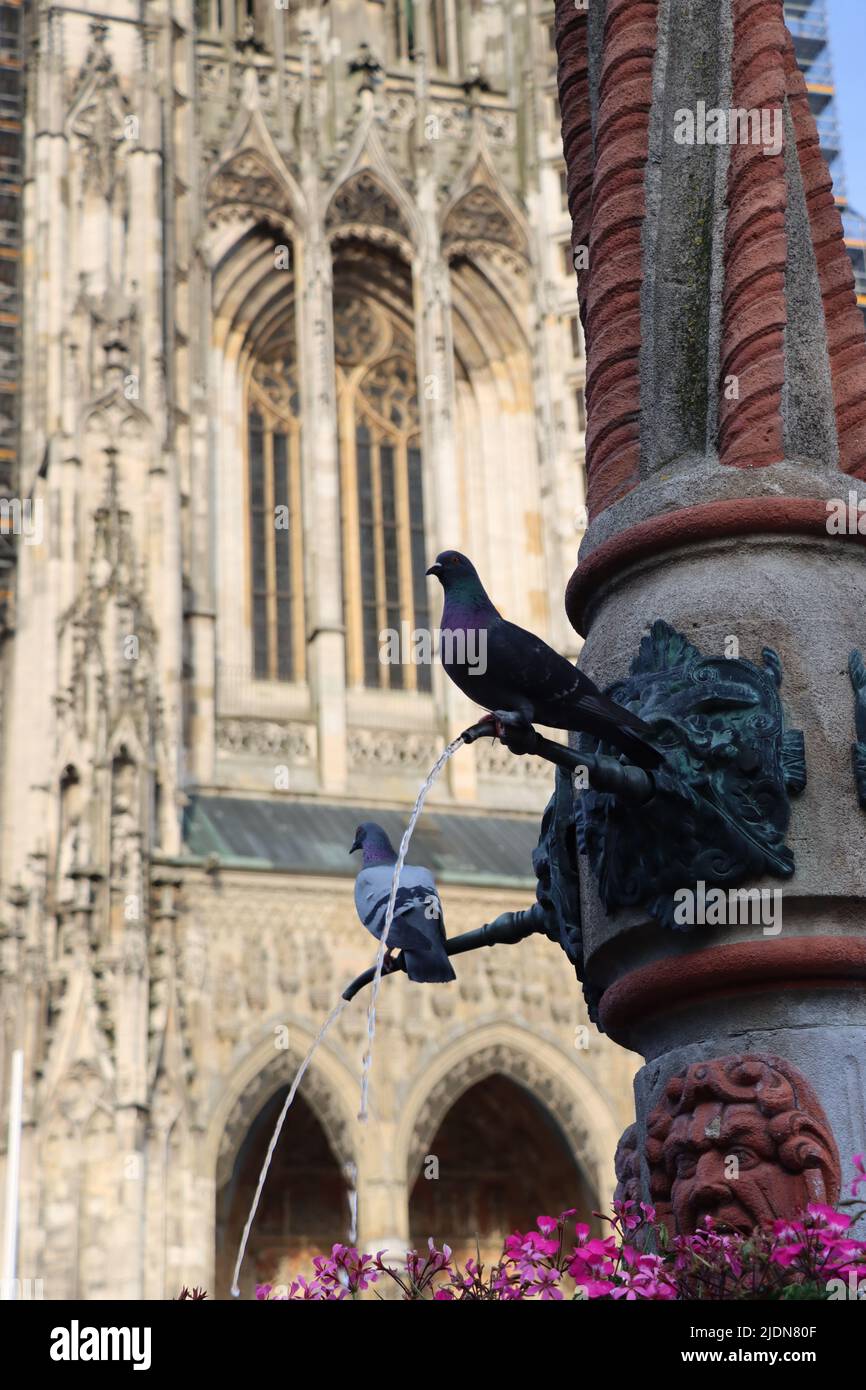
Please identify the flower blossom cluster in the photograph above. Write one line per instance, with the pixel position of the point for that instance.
(636, 1259)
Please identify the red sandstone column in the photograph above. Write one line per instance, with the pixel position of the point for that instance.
(726, 390)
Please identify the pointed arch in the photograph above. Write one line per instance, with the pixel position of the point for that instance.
(367, 198)
(481, 208)
(486, 245)
(328, 1087)
(240, 1129)
(480, 219)
(500, 1158)
(248, 186)
(555, 1080)
(364, 206)
(251, 181)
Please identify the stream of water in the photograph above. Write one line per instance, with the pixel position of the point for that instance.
(299, 1076)
(389, 917)
(335, 1014)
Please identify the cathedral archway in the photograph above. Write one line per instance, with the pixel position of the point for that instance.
(497, 1161)
(304, 1207)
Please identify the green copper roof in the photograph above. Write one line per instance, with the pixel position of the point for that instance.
(314, 838)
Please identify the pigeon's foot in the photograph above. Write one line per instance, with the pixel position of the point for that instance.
(508, 719)
(515, 730)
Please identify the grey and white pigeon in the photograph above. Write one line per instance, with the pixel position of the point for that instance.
(515, 675)
(418, 927)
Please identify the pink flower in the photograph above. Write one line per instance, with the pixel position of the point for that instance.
(786, 1255)
(546, 1283)
(795, 1254)
(596, 1288)
(439, 1259)
(583, 1265)
(505, 1284)
(347, 1269)
(827, 1214)
(625, 1213)
(788, 1230)
(531, 1247)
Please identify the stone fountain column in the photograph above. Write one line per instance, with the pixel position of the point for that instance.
(726, 391)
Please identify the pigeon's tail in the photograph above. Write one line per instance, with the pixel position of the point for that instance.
(614, 724)
(429, 968)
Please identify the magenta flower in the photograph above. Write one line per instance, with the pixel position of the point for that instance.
(346, 1269)
(596, 1288)
(788, 1230)
(546, 1285)
(795, 1255)
(786, 1255)
(834, 1219)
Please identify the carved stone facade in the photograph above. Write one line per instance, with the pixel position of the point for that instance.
(346, 229)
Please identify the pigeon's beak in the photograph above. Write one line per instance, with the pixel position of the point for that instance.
(356, 844)
(435, 570)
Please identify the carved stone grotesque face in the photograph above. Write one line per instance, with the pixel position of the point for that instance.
(742, 1140)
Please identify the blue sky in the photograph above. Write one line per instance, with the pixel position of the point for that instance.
(848, 45)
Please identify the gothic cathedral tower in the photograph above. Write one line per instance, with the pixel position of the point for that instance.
(297, 310)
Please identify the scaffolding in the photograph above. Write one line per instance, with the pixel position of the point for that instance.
(11, 121)
(807, 21)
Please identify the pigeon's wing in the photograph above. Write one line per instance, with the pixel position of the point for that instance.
(425, 896)
(531, 668)
(433, 967)
(372, 891)
(527, 672)
(405, 936)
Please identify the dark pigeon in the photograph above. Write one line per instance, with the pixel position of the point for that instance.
(523, 677)
(418, 927)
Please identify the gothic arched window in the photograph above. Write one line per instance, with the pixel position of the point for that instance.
(383, 500)
(276, 576)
